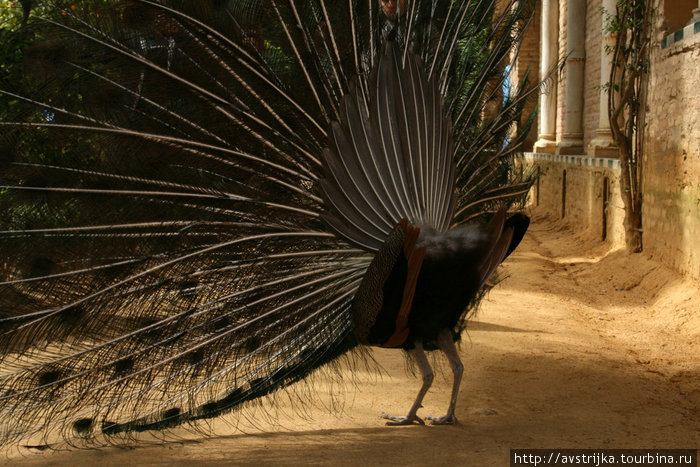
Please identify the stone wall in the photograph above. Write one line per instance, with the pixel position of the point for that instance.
(671, 210)
(585, 207)
(583, 192)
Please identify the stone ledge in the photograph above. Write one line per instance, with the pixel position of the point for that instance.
(678, 36)
(576, 160)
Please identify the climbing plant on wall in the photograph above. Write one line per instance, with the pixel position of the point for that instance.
(631, 25)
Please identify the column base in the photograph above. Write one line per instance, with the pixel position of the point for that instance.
(570, 147)
(608, 152)
(603, 145)
(544, 146)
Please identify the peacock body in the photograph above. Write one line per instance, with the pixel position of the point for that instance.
(204, 202)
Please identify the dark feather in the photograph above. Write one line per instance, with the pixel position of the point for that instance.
(196, 191)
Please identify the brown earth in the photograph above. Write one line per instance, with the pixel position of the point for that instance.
(578, 347)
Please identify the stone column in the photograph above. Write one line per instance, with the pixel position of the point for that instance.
(603, 144)
(549, 51)
(571, 141)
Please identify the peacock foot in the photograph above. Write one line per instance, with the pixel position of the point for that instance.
(448, 419)
(395, 420)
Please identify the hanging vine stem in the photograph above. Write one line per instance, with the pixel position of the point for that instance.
(627, 95)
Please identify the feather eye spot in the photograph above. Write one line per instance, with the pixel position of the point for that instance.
(188, 288)
(72, 315)
(171, 413)
(252, 343)
(42, 266)
(83, 426)
(195, 357)
(5, 324)
(48, 377)
(123, 366)
(219, 323)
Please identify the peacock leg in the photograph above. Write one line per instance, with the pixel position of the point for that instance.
(426, 372)
(447, 345)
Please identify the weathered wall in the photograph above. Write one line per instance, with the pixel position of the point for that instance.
(584, 202)
(584, 207)
(671, 210)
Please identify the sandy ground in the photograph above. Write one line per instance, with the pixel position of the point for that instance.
(578, 348)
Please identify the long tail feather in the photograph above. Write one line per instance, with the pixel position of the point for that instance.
(192, 192)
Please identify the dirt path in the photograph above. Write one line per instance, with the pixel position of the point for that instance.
(580, 351)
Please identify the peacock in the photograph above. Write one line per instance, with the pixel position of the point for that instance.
(205, 202)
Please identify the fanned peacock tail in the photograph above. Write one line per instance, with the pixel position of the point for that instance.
(170, 253)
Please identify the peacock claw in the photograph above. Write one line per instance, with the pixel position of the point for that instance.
(445, 420)
(395, 420)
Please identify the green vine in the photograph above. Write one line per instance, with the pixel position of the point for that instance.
(631, 26)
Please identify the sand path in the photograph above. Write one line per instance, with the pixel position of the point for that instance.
(599, 350)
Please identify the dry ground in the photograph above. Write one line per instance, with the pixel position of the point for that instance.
(579, 347)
